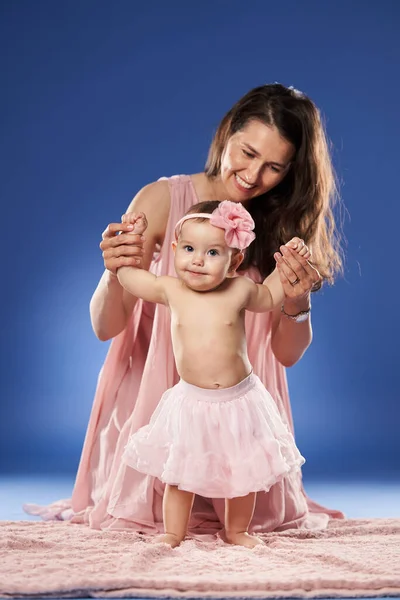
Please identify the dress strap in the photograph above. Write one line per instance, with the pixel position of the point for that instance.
(183, 197)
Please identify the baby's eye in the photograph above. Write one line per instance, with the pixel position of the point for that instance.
(213, 252)
(188, 248)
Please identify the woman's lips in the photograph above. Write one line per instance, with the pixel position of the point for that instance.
(237, 180)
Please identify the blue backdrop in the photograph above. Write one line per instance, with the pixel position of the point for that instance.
(101, 97)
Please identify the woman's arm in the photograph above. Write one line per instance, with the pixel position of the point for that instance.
(111, 306)
(289, 339)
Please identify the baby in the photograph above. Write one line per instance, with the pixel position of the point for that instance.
(217, 433)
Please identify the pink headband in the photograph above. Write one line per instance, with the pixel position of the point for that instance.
(231, 216)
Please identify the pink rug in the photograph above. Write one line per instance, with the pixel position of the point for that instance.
(60, 560)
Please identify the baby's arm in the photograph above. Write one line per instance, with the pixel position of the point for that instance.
(267, 295)
(142, 284)
(139, 282)
(270, 294)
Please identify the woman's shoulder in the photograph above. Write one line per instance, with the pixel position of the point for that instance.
(195, 183)
(182, 194)
(158, 198)
(152, 195)
(162, 189)
(153, 199)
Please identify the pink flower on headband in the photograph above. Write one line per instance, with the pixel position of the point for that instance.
(237, 222)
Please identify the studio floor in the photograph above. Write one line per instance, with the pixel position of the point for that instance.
(366, 499)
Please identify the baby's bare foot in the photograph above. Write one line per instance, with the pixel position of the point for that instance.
(167, 538)
(243, 539)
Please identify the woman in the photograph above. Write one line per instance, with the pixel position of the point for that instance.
(270, 154)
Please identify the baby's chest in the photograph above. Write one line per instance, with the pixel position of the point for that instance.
(201, 311)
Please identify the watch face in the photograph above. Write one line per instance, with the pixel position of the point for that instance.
(302, 318)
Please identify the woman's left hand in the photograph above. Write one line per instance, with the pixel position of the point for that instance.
(297, 275)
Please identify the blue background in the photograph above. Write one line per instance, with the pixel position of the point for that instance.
(99, 98)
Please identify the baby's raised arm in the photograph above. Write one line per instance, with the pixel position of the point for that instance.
(143, 284)
(267, 295)
(138, 281)
(270, 294)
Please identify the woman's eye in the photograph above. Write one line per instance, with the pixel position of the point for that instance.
(213, 252)
(248, 154)
(275, 169)
(188, 248)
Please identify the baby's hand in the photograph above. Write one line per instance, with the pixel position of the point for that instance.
(138, 220)
(299, 247)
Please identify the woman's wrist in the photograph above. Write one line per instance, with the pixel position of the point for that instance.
(111, 278)
(293, 306)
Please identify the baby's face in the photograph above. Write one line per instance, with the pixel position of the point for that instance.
(202, 258)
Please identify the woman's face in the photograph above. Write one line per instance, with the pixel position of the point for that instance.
(255, 160)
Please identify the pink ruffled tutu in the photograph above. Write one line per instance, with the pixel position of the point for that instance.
(221, 443)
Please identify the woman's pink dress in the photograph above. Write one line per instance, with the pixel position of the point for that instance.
(138, 369)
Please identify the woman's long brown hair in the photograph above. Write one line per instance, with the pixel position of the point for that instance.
(302, 204)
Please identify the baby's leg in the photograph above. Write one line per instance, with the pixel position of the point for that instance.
(238, 515)
(177, 506)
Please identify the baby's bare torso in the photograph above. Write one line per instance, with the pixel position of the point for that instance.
(208, 334)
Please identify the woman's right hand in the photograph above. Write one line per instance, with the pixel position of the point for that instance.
(120, 247)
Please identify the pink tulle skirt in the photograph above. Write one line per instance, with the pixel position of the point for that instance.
(221, 443)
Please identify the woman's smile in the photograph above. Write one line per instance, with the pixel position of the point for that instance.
(242, 185)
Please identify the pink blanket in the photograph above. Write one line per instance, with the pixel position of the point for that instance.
(60, 559)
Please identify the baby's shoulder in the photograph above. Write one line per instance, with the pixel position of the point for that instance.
(174, 287)
(240, 289)
(168, 281)
(242, 282)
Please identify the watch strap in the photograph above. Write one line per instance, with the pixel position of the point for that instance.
(299, 317)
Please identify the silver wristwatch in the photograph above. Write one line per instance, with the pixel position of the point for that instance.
(302, 316)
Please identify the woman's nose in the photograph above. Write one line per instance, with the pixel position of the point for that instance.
(251, 174)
